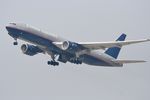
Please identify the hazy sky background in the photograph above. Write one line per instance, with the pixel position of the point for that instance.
(30, 78)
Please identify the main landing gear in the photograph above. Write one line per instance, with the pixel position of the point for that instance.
(54, 63)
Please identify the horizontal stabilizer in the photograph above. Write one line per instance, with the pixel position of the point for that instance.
(129, 61)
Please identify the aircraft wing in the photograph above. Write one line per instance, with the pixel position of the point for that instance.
(104, 45)
(129, 61)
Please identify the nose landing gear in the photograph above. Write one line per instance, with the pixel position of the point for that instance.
(15, 43)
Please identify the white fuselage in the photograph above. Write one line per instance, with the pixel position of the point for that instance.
(89, 57)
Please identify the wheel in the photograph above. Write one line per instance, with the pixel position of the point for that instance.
(52, 63)
(49, 62)
(56, 63)
(15, 43)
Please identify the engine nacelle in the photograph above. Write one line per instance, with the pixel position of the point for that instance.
(30, 50)
(71, 47)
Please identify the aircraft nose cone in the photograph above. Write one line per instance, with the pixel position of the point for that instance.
(7, 27)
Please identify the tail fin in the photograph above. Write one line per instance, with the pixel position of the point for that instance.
(114, 51)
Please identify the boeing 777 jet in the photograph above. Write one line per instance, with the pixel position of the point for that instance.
(62, 50)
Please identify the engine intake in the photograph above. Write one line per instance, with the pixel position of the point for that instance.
(71, 47)
(30, 50)
(65, 45)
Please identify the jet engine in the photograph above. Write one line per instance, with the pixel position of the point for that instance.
(30, 50)
(71, 47)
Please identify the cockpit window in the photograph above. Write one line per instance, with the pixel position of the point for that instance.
(13, 23)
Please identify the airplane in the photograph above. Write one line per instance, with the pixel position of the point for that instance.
(62, 50)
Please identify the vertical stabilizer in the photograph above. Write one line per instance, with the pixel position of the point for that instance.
(114, 51)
